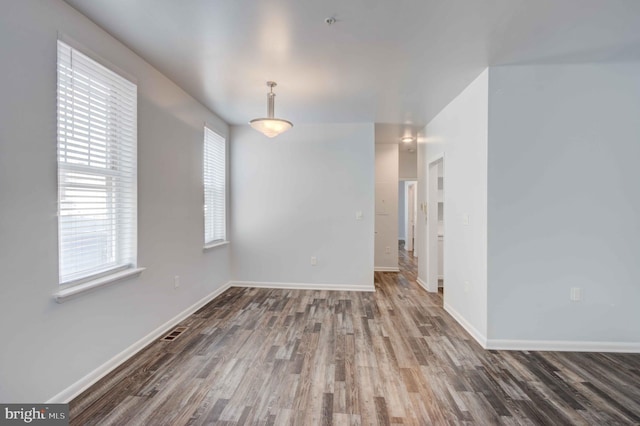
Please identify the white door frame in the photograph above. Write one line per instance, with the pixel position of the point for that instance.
(409, 191)
(410, 215)
(432, 222)
(414, 221)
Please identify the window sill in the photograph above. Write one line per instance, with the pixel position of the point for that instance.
(67, 293)
(214, 245)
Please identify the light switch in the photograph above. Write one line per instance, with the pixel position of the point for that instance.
(358, 215)
(576, 294)
(466, 219)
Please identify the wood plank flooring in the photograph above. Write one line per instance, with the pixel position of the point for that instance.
(283, 357)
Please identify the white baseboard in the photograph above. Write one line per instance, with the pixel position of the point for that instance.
(304, 286)
(479, 337)
(84, 383)
(386, 269)
(423, 284)
(562, 346)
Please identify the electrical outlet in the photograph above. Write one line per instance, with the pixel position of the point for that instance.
(467, 286)
(176, 281)
(576, 294)
(358, 215)
(387, 250)
(314, 261)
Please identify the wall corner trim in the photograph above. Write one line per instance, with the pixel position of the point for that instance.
(304, 286)
(85, 382)
(562, 346)
(479, 337)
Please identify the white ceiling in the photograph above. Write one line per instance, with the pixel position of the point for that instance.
(383, 61)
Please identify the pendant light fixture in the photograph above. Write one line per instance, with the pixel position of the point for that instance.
(271, 126)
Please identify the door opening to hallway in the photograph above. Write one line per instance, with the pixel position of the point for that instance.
(407, 215)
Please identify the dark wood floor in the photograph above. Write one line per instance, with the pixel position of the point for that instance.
(280, 357)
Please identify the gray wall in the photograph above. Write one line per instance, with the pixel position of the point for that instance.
(295, 197)
(564, 202)
(47, 347)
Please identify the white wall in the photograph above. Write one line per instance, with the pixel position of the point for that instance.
(564, 202)
(459, 132)
(386, 199)
(401, 211)
(421, 223)
(408, 165)
(296, 196)
(46, 347)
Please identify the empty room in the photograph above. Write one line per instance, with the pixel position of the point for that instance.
(296, 212)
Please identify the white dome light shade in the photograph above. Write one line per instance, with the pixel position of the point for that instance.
(271, 126)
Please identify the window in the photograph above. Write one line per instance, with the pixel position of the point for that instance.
(97, 181)
(214, 188)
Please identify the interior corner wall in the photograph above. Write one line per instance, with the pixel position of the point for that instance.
(386, 201)
(459, 132)
(564, 203)
(297, 197)
(47, 347)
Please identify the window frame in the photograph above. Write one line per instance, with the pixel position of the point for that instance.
(216, 137)
(123, 230)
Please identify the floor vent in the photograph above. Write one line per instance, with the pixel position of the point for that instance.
(174, 334)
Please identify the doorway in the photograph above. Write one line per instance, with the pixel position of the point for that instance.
(410, 215)
(435, 225)
(407, 215)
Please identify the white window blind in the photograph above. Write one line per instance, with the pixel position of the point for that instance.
(97, 178)
(214, 187)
